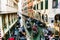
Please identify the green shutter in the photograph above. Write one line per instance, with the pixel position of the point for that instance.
(37, 6)
(56, 3)
(34, 7)
(41, 5)
(46, 4)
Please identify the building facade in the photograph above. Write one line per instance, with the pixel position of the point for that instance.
(49, 12)
(8, 15)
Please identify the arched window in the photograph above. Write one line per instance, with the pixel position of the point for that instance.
(43, 17)
(57, 18)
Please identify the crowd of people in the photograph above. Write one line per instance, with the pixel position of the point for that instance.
(19, 32)
(47, 33)
(32, 24)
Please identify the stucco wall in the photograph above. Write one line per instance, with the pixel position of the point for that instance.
(8, 5)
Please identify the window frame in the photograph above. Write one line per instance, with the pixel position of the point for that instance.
(56, 4)
(46, 4)
(42, 5)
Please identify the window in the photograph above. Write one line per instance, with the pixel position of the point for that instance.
(55, 4)
(41, 5)
(12, 18)
(9, 19)
(46, 18)
(46, 4)
(25, 4)
(52, 21)
(34, 7)
(4, 22)
(39, 14)
(37, 6)
(25, 8)
(43, 17)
